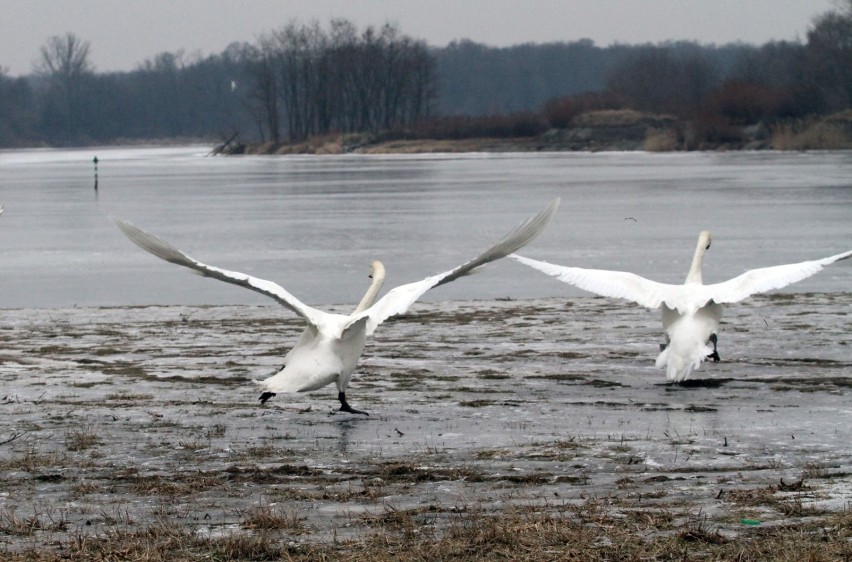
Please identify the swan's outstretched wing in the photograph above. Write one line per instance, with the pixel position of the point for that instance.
(166, 251)
(617, 284)
(401, 298)
(767, 278)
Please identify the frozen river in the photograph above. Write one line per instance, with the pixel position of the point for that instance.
(313, 224)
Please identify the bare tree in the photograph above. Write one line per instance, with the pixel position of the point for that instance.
(670, 78)
(263, 96)
(65, 57)
(65, 62)
(338, 80)
(829, 51)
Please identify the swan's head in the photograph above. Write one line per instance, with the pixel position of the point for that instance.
(377, 270)
(704, 239)
(377, 274)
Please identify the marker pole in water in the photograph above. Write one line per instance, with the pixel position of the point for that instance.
(95, 161)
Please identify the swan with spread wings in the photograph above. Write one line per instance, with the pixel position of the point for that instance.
(331, 345)
(691, 311)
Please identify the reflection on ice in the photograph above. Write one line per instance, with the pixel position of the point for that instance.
(314, 223)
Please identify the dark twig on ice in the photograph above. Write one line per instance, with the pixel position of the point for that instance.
(12, 438)
(226, 147)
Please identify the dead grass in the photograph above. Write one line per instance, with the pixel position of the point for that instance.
(273, 517)
(609, 529)
(173, 485)
(786, 499)
(13, 523)
(81, 438)
(661, 140)
(586, 532)
(831, 133)
(32, 460)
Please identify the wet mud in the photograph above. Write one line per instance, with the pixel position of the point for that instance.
(123, 418)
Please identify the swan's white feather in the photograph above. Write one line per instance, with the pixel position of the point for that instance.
(166, 251)
(684, 298)
(399, 299)
(616, 284)
(765, 279)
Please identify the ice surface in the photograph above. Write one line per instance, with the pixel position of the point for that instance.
(118, 412)
(314, 224)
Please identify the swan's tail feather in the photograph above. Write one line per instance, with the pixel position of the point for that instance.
(679, 366)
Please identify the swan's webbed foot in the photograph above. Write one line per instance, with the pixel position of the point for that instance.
(715, 355)
(345, 407)
(266, 396)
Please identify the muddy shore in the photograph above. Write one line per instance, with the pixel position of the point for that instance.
(119, 419)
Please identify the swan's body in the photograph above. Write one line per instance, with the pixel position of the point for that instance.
(691, 312)
(329, 348)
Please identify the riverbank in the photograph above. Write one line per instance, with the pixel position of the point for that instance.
(612, 130)
(529, 430)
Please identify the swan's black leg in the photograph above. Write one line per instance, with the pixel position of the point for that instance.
(663, 346)
(266, 396)
(715, 355)
(345, 407)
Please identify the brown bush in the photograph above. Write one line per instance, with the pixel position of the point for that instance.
(560, 112)
(514, 125)
(711, 131)
(744, 103)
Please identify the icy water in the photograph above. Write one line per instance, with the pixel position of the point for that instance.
(313, 224)
(501, 391)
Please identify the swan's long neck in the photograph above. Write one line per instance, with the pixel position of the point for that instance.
(694, 275)
(377, 272)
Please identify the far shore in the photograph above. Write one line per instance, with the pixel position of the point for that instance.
(598, 131)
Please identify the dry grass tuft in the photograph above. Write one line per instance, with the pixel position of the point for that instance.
(173, 485)
(11, 523)
(32, 460)
(272, 517)
(661, 140)
(81, 438)
(831, 133)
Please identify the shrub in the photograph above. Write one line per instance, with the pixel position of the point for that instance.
(743, 103)
(515, 125)
(560, 112)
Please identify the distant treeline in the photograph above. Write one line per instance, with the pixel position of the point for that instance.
(304, 80)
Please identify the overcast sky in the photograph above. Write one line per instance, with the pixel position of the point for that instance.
(123, 33)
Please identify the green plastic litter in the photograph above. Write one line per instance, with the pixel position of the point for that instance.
(749, 521)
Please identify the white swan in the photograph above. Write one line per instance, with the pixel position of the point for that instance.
(692, 311)
(329, 348)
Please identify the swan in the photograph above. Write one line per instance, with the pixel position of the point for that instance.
(330, 346)
(690, 312)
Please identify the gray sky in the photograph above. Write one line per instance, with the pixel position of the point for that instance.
(123, 33)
